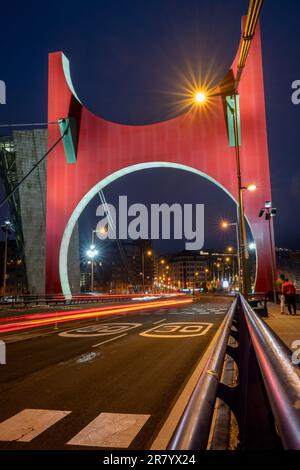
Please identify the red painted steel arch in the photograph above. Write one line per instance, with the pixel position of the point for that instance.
(105, 148)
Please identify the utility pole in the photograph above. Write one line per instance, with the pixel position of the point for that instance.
(5, 262)
(242, 235)
(270, 212)
(7, 227)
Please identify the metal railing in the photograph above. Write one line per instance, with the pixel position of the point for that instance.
(266, 397)
(193, 430)
(280, 376)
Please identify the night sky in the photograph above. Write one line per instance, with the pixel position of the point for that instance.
(128, 58)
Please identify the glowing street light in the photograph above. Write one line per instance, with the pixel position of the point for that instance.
(225, 225)
(92, 253)
(148, 253)
(251, 187)
(200, 97)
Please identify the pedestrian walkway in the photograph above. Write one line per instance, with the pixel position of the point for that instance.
(286, 326)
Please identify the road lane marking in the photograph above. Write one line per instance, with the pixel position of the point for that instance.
(108, 340)
(104, 329)
(178, 330)
(159, 321)
(28, 424)
(110, 430)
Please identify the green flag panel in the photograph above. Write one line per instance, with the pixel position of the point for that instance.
(230, 119)
(70, 138)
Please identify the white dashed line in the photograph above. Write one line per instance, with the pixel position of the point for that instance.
(109, 340)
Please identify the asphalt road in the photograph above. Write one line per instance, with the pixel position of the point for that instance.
(106, 384)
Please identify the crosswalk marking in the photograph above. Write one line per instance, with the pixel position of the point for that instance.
(199, 312)
(29, 423)
(110, 430)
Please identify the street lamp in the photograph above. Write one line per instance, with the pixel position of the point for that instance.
(200, 96)
(148, 253)
(92, 253)
(225, 225)
(7, 228)
(250, 187)
(268, 211)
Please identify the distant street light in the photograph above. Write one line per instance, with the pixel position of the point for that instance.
(92, 253)
(148, 253)
(7, 228)
(224, 225)
(250, 187)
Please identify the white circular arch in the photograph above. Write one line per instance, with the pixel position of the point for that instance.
(64, 247)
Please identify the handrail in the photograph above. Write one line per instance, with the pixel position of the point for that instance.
(281, 377)
(192, 432)
(273, 362)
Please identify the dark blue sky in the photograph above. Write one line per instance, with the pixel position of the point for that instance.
(128, 57)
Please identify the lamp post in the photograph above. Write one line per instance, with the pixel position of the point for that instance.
(92, 253)
(7, 228)
(200, 98)
(268, 211)
(244, 254)
(149, 253)
(225, 225)
(195, 279)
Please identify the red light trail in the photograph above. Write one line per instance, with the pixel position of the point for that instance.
(38, 320)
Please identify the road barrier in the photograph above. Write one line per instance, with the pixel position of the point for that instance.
(55, 299)
(266, 398)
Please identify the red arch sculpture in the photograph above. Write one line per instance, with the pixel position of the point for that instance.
(105, 149)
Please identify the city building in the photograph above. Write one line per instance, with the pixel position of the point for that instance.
(19, 153)
(16, 283)
(119, 268)
(194, 270)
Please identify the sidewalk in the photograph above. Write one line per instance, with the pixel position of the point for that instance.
(286, 326)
